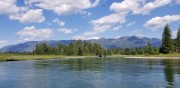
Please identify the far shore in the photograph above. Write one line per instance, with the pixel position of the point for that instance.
(9, 57)
(14, 57)
(160, 56)
(153, 57)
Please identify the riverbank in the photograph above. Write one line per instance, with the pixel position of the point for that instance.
(14, 57)
(153, 57)
(160, 56)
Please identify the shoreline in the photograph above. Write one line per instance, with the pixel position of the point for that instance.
(9, 57)
(160, 58)
(4, 58)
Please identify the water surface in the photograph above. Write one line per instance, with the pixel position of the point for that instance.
(91, 73)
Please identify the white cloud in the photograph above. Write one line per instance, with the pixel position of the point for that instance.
(178, 1)
(95, 3)
(109, 19)
(103, 24)
(32, 34)
(23, 14)
(59, 22)
(8, 7)
(145, 9)
(96, 38)
(29, 16)
(79, 37)
(125, 6)
(116, 28)
(107, 22)
(64, 7)
(3, 43)
(137, 33)
(120, 11)
(66, 31)
(159, 22)
(138, 6)
(131, 23)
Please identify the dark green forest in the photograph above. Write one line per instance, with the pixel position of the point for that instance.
(81, 48)
(78, 48)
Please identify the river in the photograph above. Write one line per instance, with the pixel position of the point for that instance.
(91, 73)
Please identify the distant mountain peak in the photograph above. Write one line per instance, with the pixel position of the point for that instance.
(122, 42)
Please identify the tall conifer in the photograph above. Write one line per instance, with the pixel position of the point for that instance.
(167, 43)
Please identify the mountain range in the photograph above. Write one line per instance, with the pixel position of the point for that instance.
(122, 42)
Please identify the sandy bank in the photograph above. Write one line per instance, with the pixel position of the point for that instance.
(153, 57)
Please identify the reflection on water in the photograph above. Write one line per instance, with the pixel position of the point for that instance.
(168, 72)
(91, 73)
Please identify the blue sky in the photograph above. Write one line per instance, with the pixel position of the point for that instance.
(35, 20)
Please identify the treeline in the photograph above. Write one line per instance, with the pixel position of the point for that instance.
(146, 50)
(81, 48)
(78, 48)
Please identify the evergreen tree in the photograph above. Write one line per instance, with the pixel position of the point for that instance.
(105, 53)
(167, 43)
(79, 47)
(177, 41)
(86, 50)
(61, 48)
(149, 49)
(97, 49)
(71, 49)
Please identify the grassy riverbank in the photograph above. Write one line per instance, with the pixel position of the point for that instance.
(16, 57)
(13, 57)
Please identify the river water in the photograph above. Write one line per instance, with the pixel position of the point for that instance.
(91, 73)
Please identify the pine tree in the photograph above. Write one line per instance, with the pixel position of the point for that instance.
(79, 47)
(167, 43)
(149, 48)
(61, 48)
(177, 41)
(70, 49)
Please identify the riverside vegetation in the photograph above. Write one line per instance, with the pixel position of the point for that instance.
(170, 47)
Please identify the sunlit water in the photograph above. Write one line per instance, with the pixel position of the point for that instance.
(91, 73)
